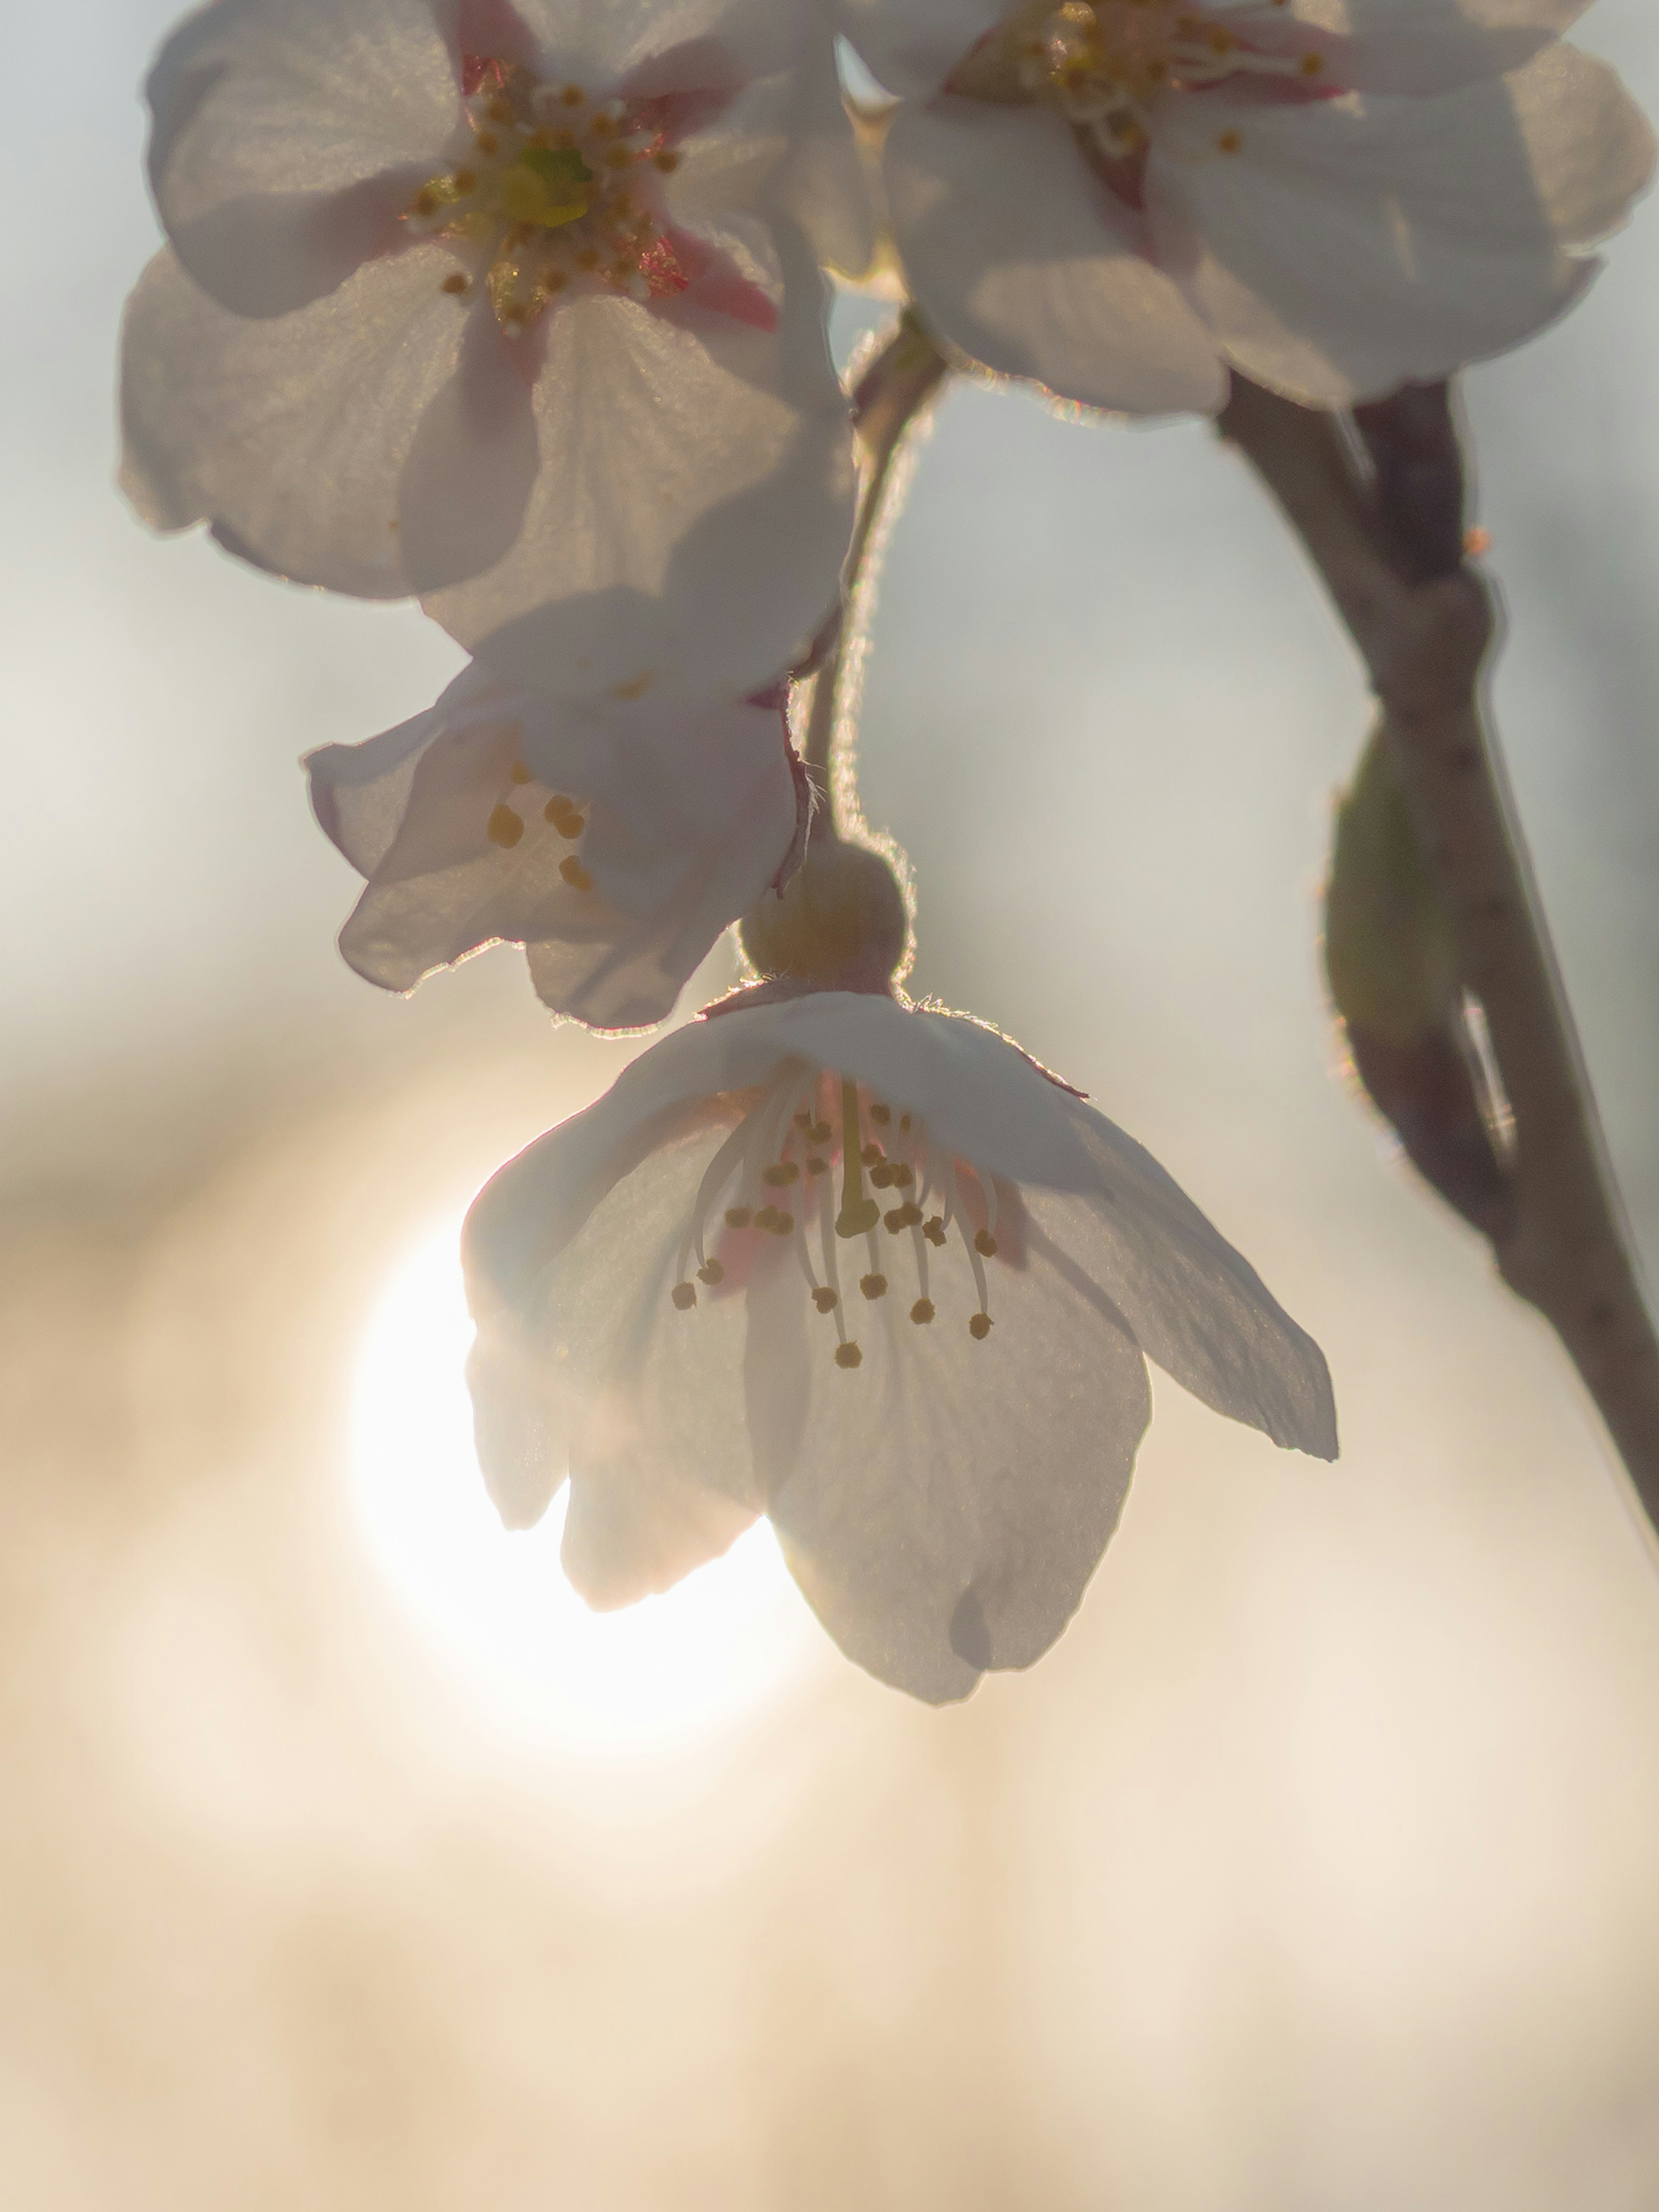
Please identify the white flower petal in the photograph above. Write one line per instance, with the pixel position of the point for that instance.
(911, 49)
(646, 1400)
(691, 510)
(252, 97)
(288, 436)
(1021, 257)
(471, 465)
(688, 812)
(1428, 45)
(635, 1528)
(604, 39)
(1197, 1308)
(1347, 246)
(950, 1499)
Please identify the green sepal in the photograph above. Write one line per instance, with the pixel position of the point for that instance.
(1390, 953)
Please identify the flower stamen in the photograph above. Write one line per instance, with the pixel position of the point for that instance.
(755, 1163)
(537, 206)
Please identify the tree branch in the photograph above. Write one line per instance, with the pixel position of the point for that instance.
(1386, 541)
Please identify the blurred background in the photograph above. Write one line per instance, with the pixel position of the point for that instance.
(344, 1862)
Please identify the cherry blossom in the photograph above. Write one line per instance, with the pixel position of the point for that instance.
(614, 840)
(1121, 199)
(517, 308)
(869, 1270)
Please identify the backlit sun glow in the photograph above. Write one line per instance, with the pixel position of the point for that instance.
(651, 1679)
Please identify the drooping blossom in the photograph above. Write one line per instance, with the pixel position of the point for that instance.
(869, 1270)
(512, 307)
(1121, 199)
(614, 840)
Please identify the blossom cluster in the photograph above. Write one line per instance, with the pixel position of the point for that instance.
(518, 307)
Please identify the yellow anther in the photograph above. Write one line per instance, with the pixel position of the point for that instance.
(985, 1244)
(711, 1272)
(455, 284)
(784, 1171)
(1312, 64)
(979, 1326)
(573, 95)
(500, 110)
(737, 1217)
(881, 1174)
(849, 1355)
(588, 258)
(575, 874)
(425, 201)
(464, 181)
(782, 1223)
(1219, 40)
(765, 1215)
(923, 1309)
(803, 1123)
(933, 1231)
(904, 1217)
(881, 1116)
(520, 773)
(504, 827)
(903, 1175)
(820, 1133)
(871, 1154)
(873, 1287)
(487, 142)
(1229, 142)
(904, 1123)
(565, 819)
(815, 1166)
(685, 1296)
(667, 162)
(826, 1299)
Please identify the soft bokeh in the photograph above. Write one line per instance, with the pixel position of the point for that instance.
(1311, 1873)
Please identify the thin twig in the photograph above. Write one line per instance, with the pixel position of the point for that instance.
(1424, 623)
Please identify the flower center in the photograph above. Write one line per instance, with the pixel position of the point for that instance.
(776, 1176)
(522, 804)
(555, 190)
(1106, 63)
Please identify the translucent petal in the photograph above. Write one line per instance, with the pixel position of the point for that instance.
(1020, 256)
(289, 435)
(688, 811)
(692, 507)
(952, 1497)
(1346, 247)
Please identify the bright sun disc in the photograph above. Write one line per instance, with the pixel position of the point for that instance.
(672, 1670)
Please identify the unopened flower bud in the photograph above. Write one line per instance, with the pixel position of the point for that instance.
(840, 923)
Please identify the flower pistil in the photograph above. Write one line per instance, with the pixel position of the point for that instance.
(557, 186)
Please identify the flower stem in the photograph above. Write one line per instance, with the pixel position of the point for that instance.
(890, 397)
(1387, 539)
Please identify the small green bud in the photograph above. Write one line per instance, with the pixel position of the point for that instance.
(1390, 954)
